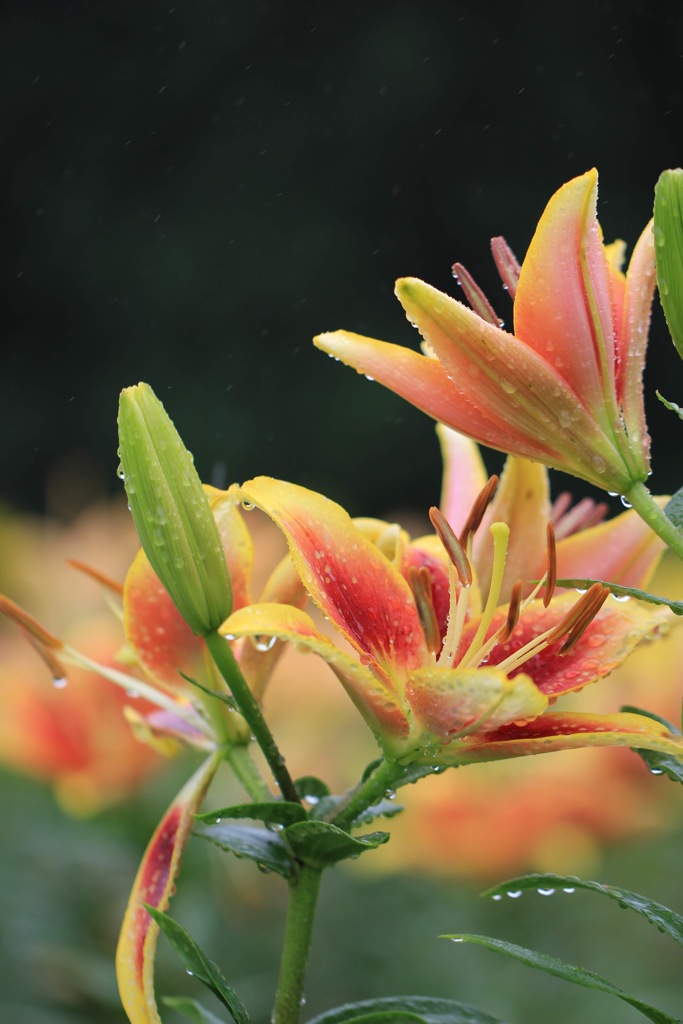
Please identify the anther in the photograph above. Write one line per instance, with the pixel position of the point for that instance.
(573, 624)
(513, 612)
(481, 503)
(507, 264)
(552, 566)
(475, 296)
(420, 582)
(453, 547)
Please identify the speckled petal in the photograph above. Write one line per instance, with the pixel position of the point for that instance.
(565, 731)
(349, 579)
(449, 700)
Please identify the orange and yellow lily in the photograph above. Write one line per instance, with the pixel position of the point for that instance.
(438, 677)
(566, 387)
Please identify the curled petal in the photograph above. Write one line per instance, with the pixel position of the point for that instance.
(464, 475)
(154, 885)
(566, 731)
(349, 579)
(639, 292)
(451, 701)
(373, 696)
(236, 541)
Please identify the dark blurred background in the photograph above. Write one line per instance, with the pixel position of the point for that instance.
(191, 190)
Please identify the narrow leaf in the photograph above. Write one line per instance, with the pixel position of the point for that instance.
(320, 844)
(257, 844)
(662, 917)
(398, 1009)
(568, 972)
(671, 406)
(280, 812)
(657, 762)
(198, 964)
(191, 1009)
(619, 591)
(673, 509)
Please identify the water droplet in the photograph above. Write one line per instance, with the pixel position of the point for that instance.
(514, 894)
(599, 464)
(247, 505)
(545, 892)
(508, 387)
(497, 896)
(60, 683)
(656, 771)
(264, 643)
(119, 472)
(621, 597)
(569, 888)
(625, 502)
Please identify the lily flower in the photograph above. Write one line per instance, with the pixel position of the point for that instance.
(456, 688)
(565, 388)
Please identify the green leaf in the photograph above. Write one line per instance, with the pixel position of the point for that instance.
(671, 406)
(310, 788)
(224, 698)
(191, 1009)
(673, 510)
(619, 591)
(382, 809)
(257, 844)
(400, 1009)
(280, 812)
(320, 844)
(668, 228)
(198, 964)
(568, 972)
(668, 922)
(656, 762)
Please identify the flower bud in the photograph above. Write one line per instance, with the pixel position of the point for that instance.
(171, 512)
(669, 250)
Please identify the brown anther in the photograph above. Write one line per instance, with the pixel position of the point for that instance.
(513, 612)
(420, 583)
(552, 566)
(574, 623)
(95, 574)
(481, 503)
(453, 547)
(475, 296)
(507, 264)
(31, 625)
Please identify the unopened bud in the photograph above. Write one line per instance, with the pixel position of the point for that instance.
(171, 512)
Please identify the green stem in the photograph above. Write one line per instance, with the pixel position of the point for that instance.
(303, 897)
(378, 783)
(647, 508)
(247, 773)
(220, 651)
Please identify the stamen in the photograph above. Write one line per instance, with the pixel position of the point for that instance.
(500, 533)
(481, 503)
(452, 545)
(580, 615)
(475, 296)
(420, 582)
(551, 574)
(95, 574)
(514, 609)
(506, 263)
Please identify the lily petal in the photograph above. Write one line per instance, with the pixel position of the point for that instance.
(155, 629)
(640, 285)
(236, 540)
(373, 698)
(622, 550)
(154, 885)
(464, 475)
(346, 575)
(563, 308)
(450, 701)
(566, 731)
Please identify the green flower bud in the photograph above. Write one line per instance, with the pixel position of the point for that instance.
(669, 250)
(171, 512)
